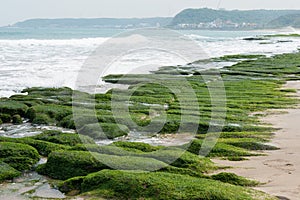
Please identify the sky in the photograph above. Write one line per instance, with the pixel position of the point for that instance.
(19, 10)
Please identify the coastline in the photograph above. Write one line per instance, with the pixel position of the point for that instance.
(203, 105)
(279, 170)
(284, 30)
(250, 88)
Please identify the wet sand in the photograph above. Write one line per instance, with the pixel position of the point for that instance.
(280, 169)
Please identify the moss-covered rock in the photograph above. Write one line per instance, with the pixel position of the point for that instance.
(20, 163)
(81, 120)
(42, 119)
(234, 179)
(12, 107)
(157, 185)
(72, 184)
(30, 114)
(104, 130)
(7, 172)
(219, 150)
(58, 137)
(179, 158)
(20, 156)
(249, 144)
(109, 150)
(174, 156)
(17, 119)
(48, 113)
(130, 162)
(183, 171)
(48, 91)
(44, 148)
(67, 164)
(54, 111)
(5, 118)
(236, 158)
(8, 149)
(136, 145)
(67, 122)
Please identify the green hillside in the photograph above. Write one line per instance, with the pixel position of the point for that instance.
(95, 22)
(251, 18)
(286, 20)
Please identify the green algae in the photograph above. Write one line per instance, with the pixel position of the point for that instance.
(156, 185)
(252, 85)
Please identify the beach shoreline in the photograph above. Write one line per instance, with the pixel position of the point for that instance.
(279, 169)
(252, 86)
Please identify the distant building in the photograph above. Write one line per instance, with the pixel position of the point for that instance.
(217, 24)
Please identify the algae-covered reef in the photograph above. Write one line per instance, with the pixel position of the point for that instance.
(135, 170)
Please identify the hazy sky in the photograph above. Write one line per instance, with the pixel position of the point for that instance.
(18, 10)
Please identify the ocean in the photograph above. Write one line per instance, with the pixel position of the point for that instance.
(53, 57)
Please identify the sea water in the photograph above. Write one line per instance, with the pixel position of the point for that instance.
(53, 57)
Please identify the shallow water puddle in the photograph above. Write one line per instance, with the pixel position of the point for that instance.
(30, 185)
(152, 139)
(27, 129)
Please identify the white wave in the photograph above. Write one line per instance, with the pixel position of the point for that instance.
(239, 46)
(194, 36)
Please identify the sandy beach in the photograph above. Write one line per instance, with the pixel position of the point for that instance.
(280, 169)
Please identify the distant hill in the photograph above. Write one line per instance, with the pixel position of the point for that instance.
(95, 22)
(209, 18)
(286, 20)
(203, 18)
